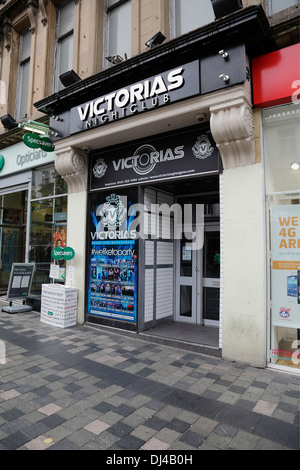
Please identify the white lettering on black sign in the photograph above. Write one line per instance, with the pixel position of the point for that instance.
(148, 94)
(130, 96)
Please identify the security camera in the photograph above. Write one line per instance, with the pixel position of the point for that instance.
(201, 117)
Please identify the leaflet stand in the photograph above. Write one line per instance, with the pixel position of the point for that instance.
(19, 287)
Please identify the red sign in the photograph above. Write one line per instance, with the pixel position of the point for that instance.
(276, 77)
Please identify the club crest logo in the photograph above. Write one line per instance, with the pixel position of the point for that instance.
(203, 148)
(113, 212)
(100, 168)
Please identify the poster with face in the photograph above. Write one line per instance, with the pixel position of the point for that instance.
(112, 292)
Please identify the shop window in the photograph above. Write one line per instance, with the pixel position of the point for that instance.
(23, 75)
(274, 6)
(64, 42)
(47, 182)
(118, 28)
(281, 147)
(13, 221)
(48, 224)
(281, 134)
(187, 15)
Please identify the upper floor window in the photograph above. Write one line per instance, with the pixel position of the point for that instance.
(23, 75)
(118, 37)
(64, 42)
(274, 6)
(187, 15)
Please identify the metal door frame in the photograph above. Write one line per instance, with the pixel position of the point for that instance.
(197, 281)
(211, 282)
(194, 281)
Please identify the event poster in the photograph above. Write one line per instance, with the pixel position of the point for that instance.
(112, 259)
(59, 240)
(286, 266)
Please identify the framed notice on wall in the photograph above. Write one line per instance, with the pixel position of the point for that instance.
(285, 222)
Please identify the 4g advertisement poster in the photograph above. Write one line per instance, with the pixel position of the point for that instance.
(112, 292)
(286, 266)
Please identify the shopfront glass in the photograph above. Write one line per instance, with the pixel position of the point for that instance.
(13, 220)
(281, 134)
(48, 227)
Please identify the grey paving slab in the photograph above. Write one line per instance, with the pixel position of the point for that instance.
(87, 388)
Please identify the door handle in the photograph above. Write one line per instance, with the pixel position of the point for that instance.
(197, 269)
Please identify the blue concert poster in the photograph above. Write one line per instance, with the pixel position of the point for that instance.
(112, 292)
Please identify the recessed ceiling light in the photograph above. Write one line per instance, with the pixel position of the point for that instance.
(295, 166)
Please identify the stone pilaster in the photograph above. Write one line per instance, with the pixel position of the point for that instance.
(72, 165)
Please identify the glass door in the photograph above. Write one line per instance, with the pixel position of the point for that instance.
(198, 280)
(188, 282)
(13, 220)
(211, 275)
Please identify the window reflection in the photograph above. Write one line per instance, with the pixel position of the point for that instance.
(119, 28)
(192, 14)
(274, 6)
(13, 218)
(47, 182)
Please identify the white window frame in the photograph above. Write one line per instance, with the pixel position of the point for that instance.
(59, 38)
(173, 31)
(106, 49)
(21, 92)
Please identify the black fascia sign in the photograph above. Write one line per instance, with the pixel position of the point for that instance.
(155, 92)
(156, 159)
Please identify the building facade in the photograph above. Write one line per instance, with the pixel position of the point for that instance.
(163, 136)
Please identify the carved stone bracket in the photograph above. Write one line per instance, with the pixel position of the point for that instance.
(32, 9)
(7, 34)
(72, 165)
(43, 8)
(232, 127)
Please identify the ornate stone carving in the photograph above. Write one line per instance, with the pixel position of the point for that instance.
(7, 34)
(71, 164)
(43, 8)
(32, 9)
(233, 130)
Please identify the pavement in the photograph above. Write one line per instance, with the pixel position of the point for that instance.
(88, 388)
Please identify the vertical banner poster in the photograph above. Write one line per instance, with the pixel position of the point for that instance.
(112, 292)
(59, 240)
(285, 222)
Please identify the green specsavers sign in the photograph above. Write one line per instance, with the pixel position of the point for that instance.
(34, 141)
(63, 253)
(1, 162)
